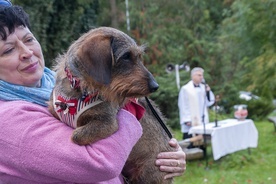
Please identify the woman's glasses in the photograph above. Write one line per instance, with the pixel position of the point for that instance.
(5, 3)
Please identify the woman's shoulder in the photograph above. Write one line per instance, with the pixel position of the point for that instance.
(23, 111)
(21, 105)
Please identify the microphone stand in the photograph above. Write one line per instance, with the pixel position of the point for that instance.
(204, 128)
(216, 111)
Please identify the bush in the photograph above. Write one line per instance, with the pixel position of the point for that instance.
(229, 96)
(259, 109)
(166, 98)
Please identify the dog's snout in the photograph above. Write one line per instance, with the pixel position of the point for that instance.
(153, 86)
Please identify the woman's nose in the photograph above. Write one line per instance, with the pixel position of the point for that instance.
(26, 52)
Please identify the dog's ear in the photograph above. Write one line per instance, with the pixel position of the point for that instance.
(97, 58)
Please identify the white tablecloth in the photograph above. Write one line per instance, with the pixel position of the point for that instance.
(231, 135)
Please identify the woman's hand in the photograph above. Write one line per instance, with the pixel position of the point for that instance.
(172, 162)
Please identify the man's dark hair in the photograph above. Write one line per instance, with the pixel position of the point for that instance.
(12, 17)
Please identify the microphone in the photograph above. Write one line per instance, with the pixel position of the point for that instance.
(207, 89)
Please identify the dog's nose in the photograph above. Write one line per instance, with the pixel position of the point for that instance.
(153, 86)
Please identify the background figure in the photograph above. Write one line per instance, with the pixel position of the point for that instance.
(193, 100)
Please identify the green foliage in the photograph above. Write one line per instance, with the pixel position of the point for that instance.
(248, 39)
(261, 74)
(229, 97)
(259, 109)
(219, 115)
(176, 31)
(166, 97)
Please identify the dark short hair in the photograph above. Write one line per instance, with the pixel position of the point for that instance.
(12, 17)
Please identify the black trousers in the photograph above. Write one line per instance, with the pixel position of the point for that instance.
(186, 135)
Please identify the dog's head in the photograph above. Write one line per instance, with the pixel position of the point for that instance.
(111, 61)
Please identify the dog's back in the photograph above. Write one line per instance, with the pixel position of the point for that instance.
(140, 166)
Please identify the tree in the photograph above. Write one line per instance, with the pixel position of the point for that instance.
(114, 21)
(248, 37)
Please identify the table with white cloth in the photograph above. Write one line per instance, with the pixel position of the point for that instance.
(230, 136)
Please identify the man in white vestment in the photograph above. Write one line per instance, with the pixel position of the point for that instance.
(193, 100)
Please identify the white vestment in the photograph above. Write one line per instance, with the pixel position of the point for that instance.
(192, 104)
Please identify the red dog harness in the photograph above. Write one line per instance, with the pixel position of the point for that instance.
(69, 109)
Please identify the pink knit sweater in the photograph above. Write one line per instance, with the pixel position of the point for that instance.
(36, 148)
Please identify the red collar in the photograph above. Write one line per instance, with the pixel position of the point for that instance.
(134, 108)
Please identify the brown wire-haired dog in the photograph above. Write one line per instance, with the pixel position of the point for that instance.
(98, 75)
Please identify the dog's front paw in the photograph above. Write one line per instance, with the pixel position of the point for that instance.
(81, 137)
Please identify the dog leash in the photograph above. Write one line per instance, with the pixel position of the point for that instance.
(158, 118)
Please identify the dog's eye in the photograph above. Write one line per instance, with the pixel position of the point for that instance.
(126, 56)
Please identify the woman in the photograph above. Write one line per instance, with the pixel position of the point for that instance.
(34, 146)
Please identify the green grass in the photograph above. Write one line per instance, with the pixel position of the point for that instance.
(240, 167)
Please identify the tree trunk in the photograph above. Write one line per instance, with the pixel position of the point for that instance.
(114, 22)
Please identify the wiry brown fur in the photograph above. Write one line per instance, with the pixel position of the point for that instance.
(107, 60)
(140, 166)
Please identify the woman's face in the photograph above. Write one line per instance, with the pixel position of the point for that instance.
(21, 58)
(197, 77)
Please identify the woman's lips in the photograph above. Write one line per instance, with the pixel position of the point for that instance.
(31, 68)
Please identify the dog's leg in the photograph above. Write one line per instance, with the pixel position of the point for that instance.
(95, 124)
(93, 132)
